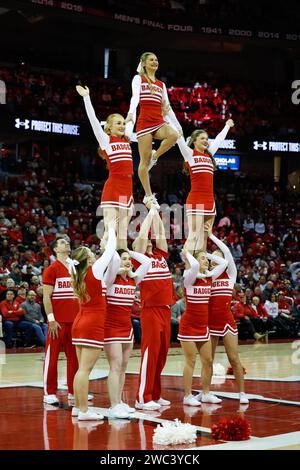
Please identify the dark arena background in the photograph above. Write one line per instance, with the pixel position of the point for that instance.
(219, 60)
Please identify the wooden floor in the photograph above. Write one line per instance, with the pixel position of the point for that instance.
(272, 380)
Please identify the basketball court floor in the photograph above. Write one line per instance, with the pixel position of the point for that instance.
(272, 382)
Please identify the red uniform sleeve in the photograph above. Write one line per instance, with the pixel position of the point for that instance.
(49, 276)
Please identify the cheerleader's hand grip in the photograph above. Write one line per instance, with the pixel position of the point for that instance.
(83, 91)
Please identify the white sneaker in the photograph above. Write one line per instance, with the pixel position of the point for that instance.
(149, 406)
(89, 416)
(75, 411)
(152, 162)
(51, 399)
(127, 408)
(152, 199)
(210, 398)
(244, 400)
(190, 400)
(198, 396)
(163, 402)
(118, 412)
(71, 397)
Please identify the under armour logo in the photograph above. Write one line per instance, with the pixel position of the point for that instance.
(257, 145)
(20, 123)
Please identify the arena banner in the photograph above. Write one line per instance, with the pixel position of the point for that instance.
(179, 27)
(46, 126)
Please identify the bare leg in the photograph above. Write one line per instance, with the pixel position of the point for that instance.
(190, 353)
(204, 350)
(145, 148)
(125, 216)
(108, 214)
(114, 356)
(208, 225)
(196, 234)
(78, 354)
(168, 137)
(88, 359)
(126, 351)
(231, 347)
(214, 344)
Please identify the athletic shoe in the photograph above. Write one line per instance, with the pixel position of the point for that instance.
(198, 396)
(244, 400)
(190, 400)
(75, 411)
(90, 397)
(163, 402)
(151, 199)
(152, 162)
(118, 412)
(89, 416)
(149, 406)
(127, 408)
(51, 399)
(210, 398)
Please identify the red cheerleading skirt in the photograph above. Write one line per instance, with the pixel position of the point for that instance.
(149, 121)
(198, 203)
(117, 192)
(117, 327)
(193, 326)
(88, 327)
(221, 322)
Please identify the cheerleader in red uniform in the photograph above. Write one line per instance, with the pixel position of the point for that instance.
(200, 203)
(220, 319)
(157, 296)
(121, 285)
(193, 326)
(151, 95)
(88, 326)
(114, 142)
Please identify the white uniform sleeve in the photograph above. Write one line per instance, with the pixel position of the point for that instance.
(112, 270)
(222, 265)
(190, 275)
(101, 136)
(218, 140)
(185, 150)
(129, 129)
(231, 269)
(101, 264)
(144, 267)
(135, 98)
(171, 115)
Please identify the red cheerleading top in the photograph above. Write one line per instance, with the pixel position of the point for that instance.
(118, 156)
(198, 296)
(94, 290)
(201, 171)
(221, 293)
(120, 296)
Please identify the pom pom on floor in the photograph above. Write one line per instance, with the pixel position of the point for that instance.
(219, 370)
(236, 429)
(174, 433)
(230, 371)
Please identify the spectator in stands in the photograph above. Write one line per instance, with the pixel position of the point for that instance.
(136, 317)
(268, 291)
(177, 311)
(13, 320)
(34, 315)
(243, 314)
(21, 293)
(62, 220)
(248, 224)
(260, 226)
(16, 274)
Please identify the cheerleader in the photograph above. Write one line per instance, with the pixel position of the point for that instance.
(88, 327)
(220, 319)
(157, 296)
(121, 285)
(200, 204)
(193, 326)
(117, 199)
(151, 95)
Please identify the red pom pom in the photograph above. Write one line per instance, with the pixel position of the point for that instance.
(230, 371)
(236, 429)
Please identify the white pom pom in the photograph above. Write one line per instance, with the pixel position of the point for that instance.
(219, 370)
(174, 433)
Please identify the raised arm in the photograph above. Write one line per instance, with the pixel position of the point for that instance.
(220, 137)
(170, 114)
(112, 270)
(231, 269)
(159, 231)
(101, 264)
(190, 275)
(144, 267)
(135, 98)
(140, 243)
(220, 268)
(185, 150)
(101, 136)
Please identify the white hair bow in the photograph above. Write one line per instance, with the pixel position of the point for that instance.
(72, 265)
(139, 68)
